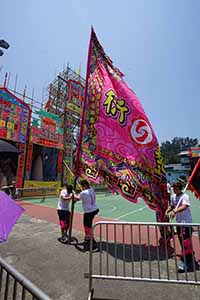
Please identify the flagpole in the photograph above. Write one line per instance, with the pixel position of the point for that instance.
(79, 140)
(84, 105)
(70, 239)
(70, 171)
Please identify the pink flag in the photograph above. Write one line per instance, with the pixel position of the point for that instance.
(117, 144)
(194, 180)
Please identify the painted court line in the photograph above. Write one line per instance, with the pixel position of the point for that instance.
(131, 212)
(112, 209)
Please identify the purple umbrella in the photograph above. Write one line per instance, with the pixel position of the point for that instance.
(10, 211)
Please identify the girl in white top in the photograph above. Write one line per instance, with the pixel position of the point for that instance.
(88, 198)
(63, 210)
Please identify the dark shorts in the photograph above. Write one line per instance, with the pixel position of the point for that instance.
(63, 215)
(88, 218)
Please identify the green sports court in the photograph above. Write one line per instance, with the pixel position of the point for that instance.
(117, 208)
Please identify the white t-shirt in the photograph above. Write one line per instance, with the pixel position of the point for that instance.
(88, 199)
(184, 216)
(168, 188)
(63, 204)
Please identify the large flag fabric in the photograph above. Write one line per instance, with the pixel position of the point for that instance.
(117, 144)
(194, 180)
(10, 211)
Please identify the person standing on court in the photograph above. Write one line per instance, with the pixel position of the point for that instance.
(63, 210)
(180, 208)
(88, 198)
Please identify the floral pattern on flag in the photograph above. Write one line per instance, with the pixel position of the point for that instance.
(118, 144)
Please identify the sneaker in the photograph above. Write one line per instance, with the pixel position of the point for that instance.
(95, 245)
(62, 239)
(65, 239)
(181, 267)
(95, 249)
(86, 245)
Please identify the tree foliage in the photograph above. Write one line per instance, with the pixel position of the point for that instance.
(170, 150)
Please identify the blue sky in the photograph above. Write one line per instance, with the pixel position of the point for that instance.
(155, 43)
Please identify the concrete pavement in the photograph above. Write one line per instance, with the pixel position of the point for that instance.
(58, 269)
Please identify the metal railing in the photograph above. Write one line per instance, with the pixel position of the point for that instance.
(137, 252)
(42, 192)
(30, 192)
(15, 286)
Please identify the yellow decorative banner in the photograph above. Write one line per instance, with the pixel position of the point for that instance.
(40, 188)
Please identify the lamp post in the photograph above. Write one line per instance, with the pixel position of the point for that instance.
(4, 45)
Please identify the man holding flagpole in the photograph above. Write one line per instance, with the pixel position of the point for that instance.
(180, 208)
(88, 198)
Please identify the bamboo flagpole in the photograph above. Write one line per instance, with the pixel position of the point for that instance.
(84, 107)
(77, 159)
(70, 238)
(70, 171)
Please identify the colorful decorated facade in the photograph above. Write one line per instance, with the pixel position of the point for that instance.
(15, 117)
(44, 153)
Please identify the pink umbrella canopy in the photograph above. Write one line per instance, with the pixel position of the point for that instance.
(10, 212)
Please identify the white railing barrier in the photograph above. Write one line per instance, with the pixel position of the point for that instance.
(137, 252)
